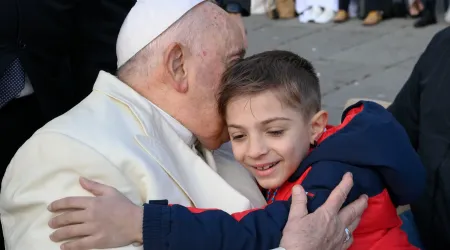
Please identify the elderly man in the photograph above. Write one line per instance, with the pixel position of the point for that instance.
(149, 131)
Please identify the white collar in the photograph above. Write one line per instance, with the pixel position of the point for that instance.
(184, 133)
(115, 88)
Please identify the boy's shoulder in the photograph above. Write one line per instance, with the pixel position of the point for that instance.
(369, 117)
(368, 134)
(359, 119)
(368, 109)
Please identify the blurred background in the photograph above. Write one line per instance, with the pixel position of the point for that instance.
(352, 59)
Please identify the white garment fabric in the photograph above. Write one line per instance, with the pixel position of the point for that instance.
(302, 5)
(181, 130)
(188, 138)
(258, 7)
(318, 11)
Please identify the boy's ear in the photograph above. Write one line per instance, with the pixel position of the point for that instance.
(318, 123)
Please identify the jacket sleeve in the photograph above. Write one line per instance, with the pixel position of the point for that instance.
(368, 181)
(46, 168)
(176, 227)
(97, 26)
(404, 185)
(319, 185)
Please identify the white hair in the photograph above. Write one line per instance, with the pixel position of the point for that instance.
(187, 31)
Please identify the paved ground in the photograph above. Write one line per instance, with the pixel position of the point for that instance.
(352, 60)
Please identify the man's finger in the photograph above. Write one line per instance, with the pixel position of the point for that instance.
(347, 244)
(68, 218)
(339, 195)
(70, 203)
(351, 228)
(353, 211)
(354, 224)
(70, 232)
(95, 188)
(298, 204)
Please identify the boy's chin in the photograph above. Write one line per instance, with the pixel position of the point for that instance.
(270, 183)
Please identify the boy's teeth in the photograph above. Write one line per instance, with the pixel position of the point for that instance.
(266, 167)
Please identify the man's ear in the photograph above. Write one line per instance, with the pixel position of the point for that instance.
(175, 64)
(318, 123)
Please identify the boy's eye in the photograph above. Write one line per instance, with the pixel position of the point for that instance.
(276, 132)
(237, 137)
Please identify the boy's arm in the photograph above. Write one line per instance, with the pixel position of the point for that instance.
(401, 185)
(322, 179)
(177, 227)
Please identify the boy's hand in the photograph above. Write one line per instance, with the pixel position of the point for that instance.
(108, 220)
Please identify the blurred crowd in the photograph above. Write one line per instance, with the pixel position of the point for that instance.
(371, 12)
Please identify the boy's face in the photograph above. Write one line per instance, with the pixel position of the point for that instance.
(268, 138)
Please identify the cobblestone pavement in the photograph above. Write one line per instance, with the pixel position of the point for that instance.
(352, 60)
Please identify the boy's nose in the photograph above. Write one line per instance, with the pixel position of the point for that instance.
(257, 147)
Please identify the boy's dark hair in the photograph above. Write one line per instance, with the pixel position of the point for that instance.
(288, 75)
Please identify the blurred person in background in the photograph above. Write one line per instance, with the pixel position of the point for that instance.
(427, 15)
(415, 8)
(372, 7)
(237, 9)
(318, 11)
(422, 107)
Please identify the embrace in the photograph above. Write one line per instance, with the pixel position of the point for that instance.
(144, 161)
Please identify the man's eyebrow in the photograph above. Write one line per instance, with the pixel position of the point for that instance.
(241, 53)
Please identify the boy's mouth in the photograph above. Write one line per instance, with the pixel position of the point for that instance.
(262, 167)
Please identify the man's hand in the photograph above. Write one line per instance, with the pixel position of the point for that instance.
(325, 228)
(237, 18)
(106, 221)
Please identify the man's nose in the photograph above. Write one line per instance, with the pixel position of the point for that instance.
(257, 147)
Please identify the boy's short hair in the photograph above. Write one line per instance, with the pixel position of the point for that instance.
(288, 75)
